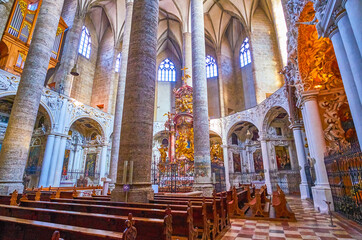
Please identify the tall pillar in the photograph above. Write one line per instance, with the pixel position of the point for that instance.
(63, 77)
(354, 10)
(226, 156)
(202, 178)
(15, 148)
(138, 110)
(103, 162)
(120, 94)
(321, 191)
(71, 158)
(266, 162)
(60, 161)
(302, 158)
(348, 82)
(220, 84)
(351, 47)
(53, 161)
(46, 160)
(5, 10)
(187, 55)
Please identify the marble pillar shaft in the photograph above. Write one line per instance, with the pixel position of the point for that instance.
(15, 148)
(59, 162)
(62, 76)
(187, 55)
(266, 163)
(138, 110)
(202, 160)
(5, 11)
(220, 84)
(120, 95)
(348, 82)
(46, 161)
(351, 47)
(354, 10)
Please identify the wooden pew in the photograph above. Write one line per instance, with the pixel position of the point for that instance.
(147, 228)
(260, 204)
(100, 198)
(179, 218)
(24, 229)
(279, 203)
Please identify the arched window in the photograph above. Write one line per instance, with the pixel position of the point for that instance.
(85, 43)
(211, 67)
(234, 139)
(167, 71)
(245, 57)
(118, 62)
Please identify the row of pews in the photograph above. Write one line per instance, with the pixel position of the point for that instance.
(96, 217)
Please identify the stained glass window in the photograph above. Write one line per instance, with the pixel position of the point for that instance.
(211, 67)
(118, 62)
(245, 57)
(85, 43)
(167, 71)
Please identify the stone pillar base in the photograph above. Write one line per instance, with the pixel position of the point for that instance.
(320, 194)
(205, 188)
(140, 193)
(304, 191)
(7, 188)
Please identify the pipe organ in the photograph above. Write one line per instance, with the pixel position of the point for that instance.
(16, 40)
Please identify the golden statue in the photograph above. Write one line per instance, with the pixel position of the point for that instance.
(216, 151)
(163, 151)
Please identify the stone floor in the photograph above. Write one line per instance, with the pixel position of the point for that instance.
(310, 225)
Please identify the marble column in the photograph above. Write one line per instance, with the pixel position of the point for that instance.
(15, 148)
(53, 161)
(71, 158)
(120, 95)
(226, 158)
(321, 191)
(348, 81)
(354, 10)
(187, 55)
(46, 160)
(302, 159)
(203, 177)
(5, 10)
(139, 100)
(103, 162)
(351, 47)
(60, 161)
(62, 77)
(220, 84)
(266, 162)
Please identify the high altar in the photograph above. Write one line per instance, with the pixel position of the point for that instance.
(176, 163)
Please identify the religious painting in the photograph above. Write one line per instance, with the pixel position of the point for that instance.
(66, 162)
(283, 158)
(33, 160)
(344, 114)
(258, 161)
(237, 162)
(90, 165)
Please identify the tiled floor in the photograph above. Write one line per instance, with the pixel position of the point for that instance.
(310, 225)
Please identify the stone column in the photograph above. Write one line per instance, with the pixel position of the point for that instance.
(302, 158)
(103, 162)
(59, 161)
(202, 178)
(71, 158)
(348, 81)
(139, 100)
(46, 160)
(321, 191)
(187, 55)
(5, 10)
(220, 84)
(120, 95)
(53, 161)
(62, 77)
(354, 10)
(351, 47)
(266, 162)
(15, 148)
(226, 165)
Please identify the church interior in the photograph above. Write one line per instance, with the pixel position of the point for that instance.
(180, 119)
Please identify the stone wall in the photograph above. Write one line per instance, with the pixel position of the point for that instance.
(265, 55)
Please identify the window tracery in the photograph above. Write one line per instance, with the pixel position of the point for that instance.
(167, 71)
(245, 56)
(85, 45)
(211, 67)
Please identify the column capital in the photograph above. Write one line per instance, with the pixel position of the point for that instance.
(333, 29)
(296, 126)
(263, 137)
(339, 13)
(309, 96)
